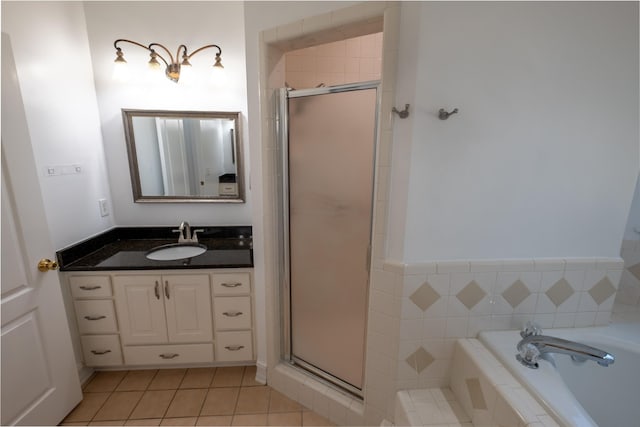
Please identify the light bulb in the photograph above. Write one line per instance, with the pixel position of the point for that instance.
(120, 71)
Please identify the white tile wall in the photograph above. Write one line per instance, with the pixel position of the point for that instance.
(436, 328)
(629, 291)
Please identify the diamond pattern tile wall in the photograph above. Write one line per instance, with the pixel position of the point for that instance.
(516, 293)
(602, 290)
(425, 296)
(560, 292)
(420, 359)
(635, 270)
(471, 294)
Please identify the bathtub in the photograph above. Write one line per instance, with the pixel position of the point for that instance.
(581, 394)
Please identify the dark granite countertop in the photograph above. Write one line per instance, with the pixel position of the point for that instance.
(124, 248)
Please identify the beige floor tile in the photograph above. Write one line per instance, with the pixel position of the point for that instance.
(107, 423)
(104, 381)
(253, 400)
(250, 420)
(153, 404)
(186, 403)
(198, 378)
(249, 377)
(118, 406)
(137, 380)
(145, 422)
(167, 379)
(87, 408)
(228, 376)
(310, 418)
(220, 401)
(281, 403)
(285, 419)
(215, 420)
(182, 421)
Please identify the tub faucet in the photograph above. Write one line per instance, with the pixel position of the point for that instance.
(534, 344)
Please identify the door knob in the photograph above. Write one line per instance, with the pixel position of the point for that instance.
(46, 264)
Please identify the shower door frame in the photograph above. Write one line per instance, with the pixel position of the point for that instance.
(282, 138)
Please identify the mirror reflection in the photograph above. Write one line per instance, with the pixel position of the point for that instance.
(183, 156)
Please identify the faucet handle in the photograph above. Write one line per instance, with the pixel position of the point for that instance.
(531, 328)
(528, 355)
(181, 237)
(194, 236)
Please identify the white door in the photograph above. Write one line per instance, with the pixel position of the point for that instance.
(40, 382)
(188, 304)
(140, 308)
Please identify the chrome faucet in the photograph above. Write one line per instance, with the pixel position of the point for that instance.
(185, 232)
(186, 235)
(533, 345)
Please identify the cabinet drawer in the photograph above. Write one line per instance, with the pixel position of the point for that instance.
(168, 354)
(234, 346)
(96, 316)
(90, 286)
(232, 312)
(231, 283)
(101, 350)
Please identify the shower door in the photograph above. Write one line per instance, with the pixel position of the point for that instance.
(328, 174)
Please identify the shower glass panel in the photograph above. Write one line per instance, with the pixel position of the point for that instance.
(331, 148)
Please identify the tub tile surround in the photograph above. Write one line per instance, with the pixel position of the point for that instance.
(440, 302)
(629, 291)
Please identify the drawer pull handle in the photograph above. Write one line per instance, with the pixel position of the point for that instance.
(234, 347)
(90, 288)
(232, 313)
(95, 317)
(169, 356)
(231, 285)
(100, 352)
(156, 290)
(166, 288)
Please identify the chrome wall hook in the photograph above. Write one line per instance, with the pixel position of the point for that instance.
(444, 115)
(404, 113)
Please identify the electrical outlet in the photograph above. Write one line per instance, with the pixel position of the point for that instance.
(104, 208)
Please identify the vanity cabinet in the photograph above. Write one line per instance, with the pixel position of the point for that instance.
(164, 309)
(96, 320)
(130, 318)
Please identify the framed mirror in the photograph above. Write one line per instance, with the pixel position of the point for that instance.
(184, 156)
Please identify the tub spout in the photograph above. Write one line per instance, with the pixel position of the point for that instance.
(532, 346)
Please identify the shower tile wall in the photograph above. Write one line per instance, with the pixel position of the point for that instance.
(346, 61)
(426, 307)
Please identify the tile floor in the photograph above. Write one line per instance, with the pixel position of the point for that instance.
(226, 396)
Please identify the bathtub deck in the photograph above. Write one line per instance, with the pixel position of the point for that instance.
(430, 407)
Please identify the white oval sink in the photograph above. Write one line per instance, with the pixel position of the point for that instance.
(176, 251)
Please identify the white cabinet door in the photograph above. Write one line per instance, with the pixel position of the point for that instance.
(188, 306)
(140, 309)
(40, 382)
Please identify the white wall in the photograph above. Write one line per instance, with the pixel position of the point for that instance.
(542, 159)
(49, 41)
(170, 23)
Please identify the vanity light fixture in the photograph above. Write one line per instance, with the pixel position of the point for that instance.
(172, 67)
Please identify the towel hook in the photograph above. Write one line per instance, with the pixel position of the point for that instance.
(404, 113)
(444, 115)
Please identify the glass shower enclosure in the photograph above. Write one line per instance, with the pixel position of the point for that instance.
(327, 139)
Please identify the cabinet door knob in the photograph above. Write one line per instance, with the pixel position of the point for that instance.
(100, 352)
(232, 313)
(95, 317)
(231, 285)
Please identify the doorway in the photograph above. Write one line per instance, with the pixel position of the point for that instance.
(328, 138)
